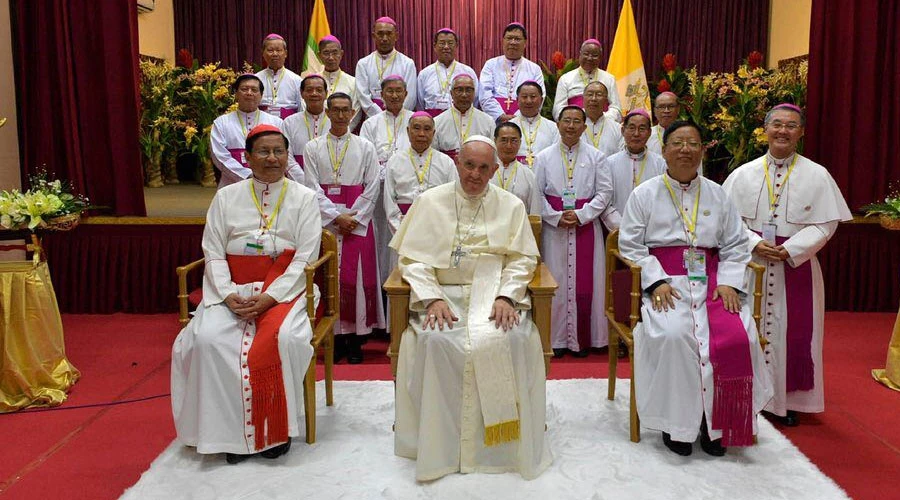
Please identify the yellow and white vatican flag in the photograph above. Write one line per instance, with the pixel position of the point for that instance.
(318, 28)
(627, 65)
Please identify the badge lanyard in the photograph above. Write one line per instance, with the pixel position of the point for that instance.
(244, 125)
(274, 84)
(384, 65)
(640, 174)
(457, 120)
(775, 197)
(690, 223)
(268, 220)
(446, 81)
(529, 139)
(421, 173)
(312, 131)
(570, 166)
(511, 178)
(595, 138)
(393, 132)
(337, 162)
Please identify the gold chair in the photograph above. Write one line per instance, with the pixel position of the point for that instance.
(542, 287)
(323, 326)
(619, 268)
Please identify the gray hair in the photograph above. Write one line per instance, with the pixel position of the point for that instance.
(386, 81)
(267, 40)
(784, 108)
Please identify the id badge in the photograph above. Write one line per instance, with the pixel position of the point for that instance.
(695, 264)
(274, 111)
(443, 102)
(334, 190)
(768, 232)
(254, 246)
(568, 199)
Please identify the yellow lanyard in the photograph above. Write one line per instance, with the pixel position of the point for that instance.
(421, 173)
(595, 138)
(274, 86)
(570, 166)
(244, 125)
(659, 136)
(391, 134)
(449, 75)
(529, 139)
(268, 220)
(457, 120)
(333, 86)
(690, 223)
(337, 163)
(310, 132)
(773, 196)
(640, 175)
(505, 184)
(381, 66)
(585, 78)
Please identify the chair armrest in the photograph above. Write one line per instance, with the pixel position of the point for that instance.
(542, 288)
(758, 271)
(310, 271)
(395, 285)
(398, 306)
(182, 272)
(631, 265)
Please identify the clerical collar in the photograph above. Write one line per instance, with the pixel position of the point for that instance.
(530, 120)
(570, 149)
(780, 162)
(275, 72)
(263, 184)
(420, 155)
(471, 197)
(686, 185)
(386, 56)
(599, 118)
(637, 156)
(512, 62)
(463, 113)
(339, 137)
(447, 66)
(395, 115)
(317, 116)
(511, 162)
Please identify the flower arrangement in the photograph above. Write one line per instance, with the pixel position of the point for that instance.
(48, 204)
(561, 66)
(159, 116)
(888, 210)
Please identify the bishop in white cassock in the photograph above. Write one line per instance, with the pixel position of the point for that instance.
(698, 365)
(502, 75)
(412, 172)
(791, 207)
(602, 132)
(513, 176)
(538, 133)
(577, 189)
(666, 110)
(229, 131)
(434, 81)
(385, 60)
(312, 122)
(470, 388)
(238, 366)
(571, 86)
(281, 95)
(346, 167)
(455, 125)
(331, 52)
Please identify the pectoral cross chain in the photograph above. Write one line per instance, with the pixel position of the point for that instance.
(458, 254)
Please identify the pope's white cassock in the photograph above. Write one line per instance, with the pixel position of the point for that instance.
(300, 128)
(570, 91)
(372, 69)
(674, 361)
(538, 133)
(655, 142)
(228, 138)
(409, 174)
(628, 170)
(519, 180)
(462, 393)
(214, 358)
(347, 170)
(341, 81)
(281, 92)
(604, 134)
(809, 208)
(575, 256)
(499, 80)
(434, 83)
(451, 128)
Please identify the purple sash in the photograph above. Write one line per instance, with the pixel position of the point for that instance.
(379, 102)
(356, 249)
(238, 154)
(576, 101)
(282, 112)
(404, 207)
(729, 352)
(452, 153)
(513, 105)
(299, 159)
(434, 112)
(584, 276)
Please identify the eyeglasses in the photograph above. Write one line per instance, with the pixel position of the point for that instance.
(596, 95)
(340, 111)
(463, 90)
(249, 89)
(666, 107)
(688, 144)
(506, 141)
(572, 121)
(790, 126)
(587, 55)
(330, 53)
(637, 128)
(446, 43)
(262, 154)
(514, 39)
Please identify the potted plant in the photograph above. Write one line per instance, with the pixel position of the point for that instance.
(888, 211)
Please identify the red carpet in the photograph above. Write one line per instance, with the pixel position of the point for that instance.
(96, 452)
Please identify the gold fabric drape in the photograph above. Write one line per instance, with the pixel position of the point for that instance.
(890, 375)
(34, 370)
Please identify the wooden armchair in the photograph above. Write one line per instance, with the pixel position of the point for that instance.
(323, 325)
(541, 288)
(621, 272)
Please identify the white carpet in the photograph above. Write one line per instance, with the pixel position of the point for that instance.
(588, 436)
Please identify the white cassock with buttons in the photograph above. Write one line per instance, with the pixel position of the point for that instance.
(673, 374)
(211, 394)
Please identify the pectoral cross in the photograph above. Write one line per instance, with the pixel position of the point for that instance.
(458, 254)
(508, 102)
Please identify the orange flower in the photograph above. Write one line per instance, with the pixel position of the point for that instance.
(184, 59)
(558, 60)
(669, 63)
(663, 86)
(755, 59)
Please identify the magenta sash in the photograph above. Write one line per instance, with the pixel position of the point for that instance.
(356, 249)
(434, 112)
(729, 352)
(238, 154)
(282, 112)
(513, 105)
(576, 101)
(299, 159)
(452, 153)
(404, 207)
(584, 272)
(378, 102)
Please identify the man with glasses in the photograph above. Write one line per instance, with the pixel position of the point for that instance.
(434, 82)
(601, 131)
(577, 189)
(385, 60)
(791, 207)
(229, 131)
(455, 125)
(331, 52)
(512, 175)
(572, 86)
(502, 75)
(346, 168)
(281, 96)
(698, 365)
(538, 133)
(666, 109)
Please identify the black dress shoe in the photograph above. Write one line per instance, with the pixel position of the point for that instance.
(622, 350)
(559, 352)
(711, 447)
(582, 353)
(790, 419)
(677, 447)
(277, 451)
(340, 347)
(354, 349)
(236, 458)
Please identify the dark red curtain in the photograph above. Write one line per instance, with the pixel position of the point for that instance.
(714, 35)
(854, 103)
(78, 99)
